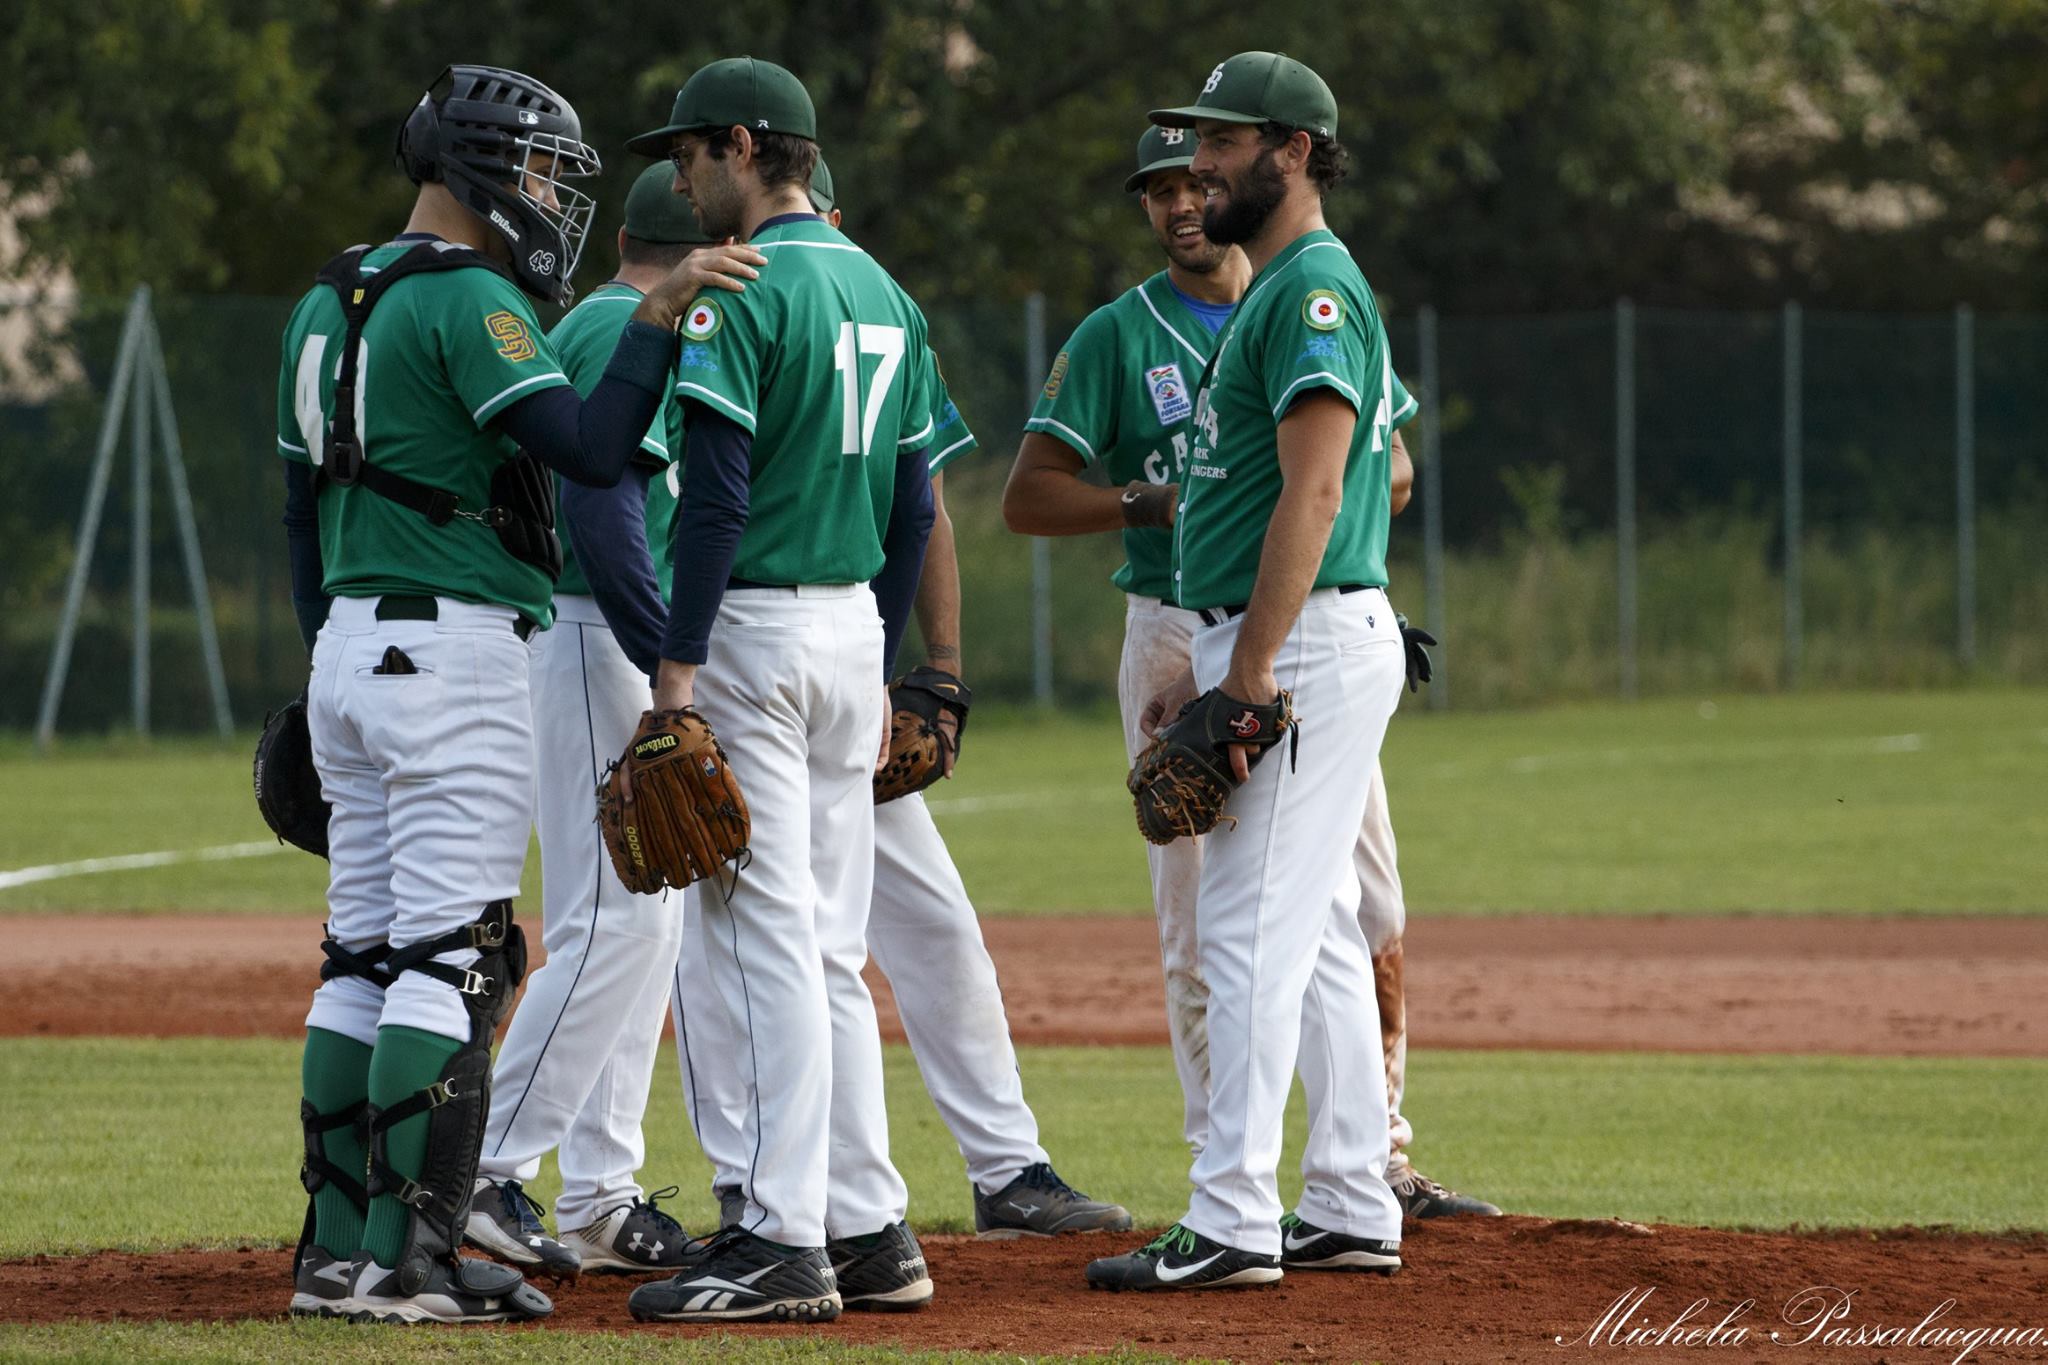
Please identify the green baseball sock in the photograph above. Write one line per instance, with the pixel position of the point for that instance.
(335, 1075)
(406, 1060)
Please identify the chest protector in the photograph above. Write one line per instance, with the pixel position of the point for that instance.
(522, 506)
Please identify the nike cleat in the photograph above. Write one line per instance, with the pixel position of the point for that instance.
(1181, 1258)
(1304, 1246)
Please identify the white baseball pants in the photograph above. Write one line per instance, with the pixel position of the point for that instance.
(577, 1062)
(793, 686)
(1290, 978)
(430, 774)
(1157, 641)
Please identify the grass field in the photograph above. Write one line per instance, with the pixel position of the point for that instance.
(1726, 1141)
(1888, 802)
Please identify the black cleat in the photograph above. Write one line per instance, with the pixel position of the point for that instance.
(632, 1239)
(1421, 1197)
(881, 1273)
(1181, 1258)
(504, 1221)
(1304, 1246)
(743, 1278)
(1040, 1204)
(458, 1289)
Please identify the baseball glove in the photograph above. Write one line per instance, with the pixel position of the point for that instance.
(920, 750)
(1183, 777)
(670, 807)
(287, 787)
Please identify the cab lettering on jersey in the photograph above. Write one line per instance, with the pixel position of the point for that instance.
(1169, 394)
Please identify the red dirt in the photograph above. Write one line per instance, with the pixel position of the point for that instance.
(1872, 986)
(1490, 1291)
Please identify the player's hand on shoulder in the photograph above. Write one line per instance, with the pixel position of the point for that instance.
(727, 266)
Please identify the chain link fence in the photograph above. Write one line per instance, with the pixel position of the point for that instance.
(1629, 502)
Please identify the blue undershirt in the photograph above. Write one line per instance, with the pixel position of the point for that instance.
(1212, 315)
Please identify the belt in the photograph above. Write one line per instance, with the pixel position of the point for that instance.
(1216, 616)
(391, 607)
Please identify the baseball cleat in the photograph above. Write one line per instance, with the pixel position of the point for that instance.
(632, 1239)
(1181, 1258)
(504, 1221)
(882, 1273)
(1421, 1197)
(1040, 1204)
(458, 1289)
(320, 1285)
(1304, 1246)
(743, 1278)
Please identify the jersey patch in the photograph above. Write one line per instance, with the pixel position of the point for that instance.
(696, 357)
(1323, 310)
(703, 320)
(1169, 394)
(510, 332)
(1057, 377)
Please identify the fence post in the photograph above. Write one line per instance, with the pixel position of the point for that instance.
(155, 373)
(138, 512)
(1431, 476)
(1625, 492)
(1041, 548)
(89, 519)
(1794, 484)
(1966, 486)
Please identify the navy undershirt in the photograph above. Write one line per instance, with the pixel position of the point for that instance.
(1212, 315)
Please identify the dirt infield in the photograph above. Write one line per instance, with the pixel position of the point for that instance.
(1858, 985)
(1493, 1290)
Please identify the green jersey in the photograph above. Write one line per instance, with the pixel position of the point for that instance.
(823, 361)
(584, 341)
(442, 354)
(1121, 394)
(1307, 322)
(950, 437)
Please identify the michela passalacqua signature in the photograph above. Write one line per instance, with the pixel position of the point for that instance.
(1820, 1318)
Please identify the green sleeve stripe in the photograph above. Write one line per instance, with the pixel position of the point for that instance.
(739, 413)
(815, 246)
(947, 454)
(1071, 436)
(912, 442)
(1407, 410)
(500, 400)
(654, 447)
(1160, 318)
(283, 444)
(1335, 383)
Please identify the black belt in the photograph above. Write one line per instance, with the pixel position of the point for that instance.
(1216, 616)
(391, 607)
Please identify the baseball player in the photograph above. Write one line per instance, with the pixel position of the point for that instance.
(412, 377)
(1118, 398)
(1279, 548)
(576, 1064)
(807, 412)
(925, 937)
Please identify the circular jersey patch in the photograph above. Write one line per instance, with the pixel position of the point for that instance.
(703, 320)
(1323, 310)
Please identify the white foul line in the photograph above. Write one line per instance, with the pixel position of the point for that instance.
(50, 872)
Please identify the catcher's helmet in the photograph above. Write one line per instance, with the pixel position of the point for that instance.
(505, 145)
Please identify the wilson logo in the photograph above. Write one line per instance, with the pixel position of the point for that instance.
(657, 744)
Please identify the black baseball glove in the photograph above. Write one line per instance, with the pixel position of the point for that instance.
(287, 787)
(1183, 777)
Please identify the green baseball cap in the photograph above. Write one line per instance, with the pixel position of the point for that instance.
(821, 188)
(656, 213)
(1160, 149)
(738, 90)
(1260, 87)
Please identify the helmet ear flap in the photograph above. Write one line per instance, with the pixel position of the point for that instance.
(419, 143)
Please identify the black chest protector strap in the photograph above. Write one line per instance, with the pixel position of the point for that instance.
(522, 510)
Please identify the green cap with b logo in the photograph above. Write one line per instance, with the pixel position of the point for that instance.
(656, 213)
(1260, 87)
(738, 90)
(1160, 149)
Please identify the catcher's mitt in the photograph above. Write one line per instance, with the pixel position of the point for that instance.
(919, 749)
(670, 808)
(1183, 777)
(287, 787)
